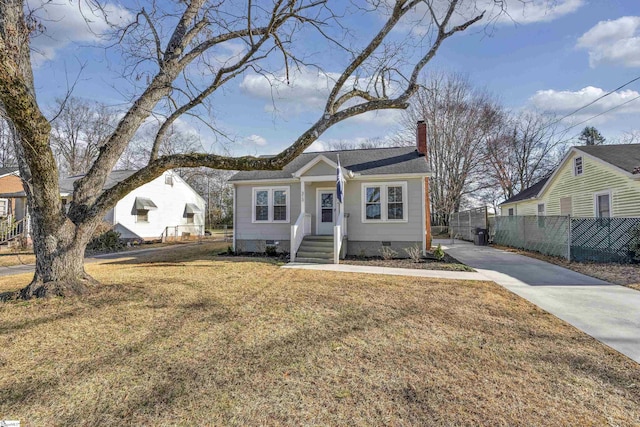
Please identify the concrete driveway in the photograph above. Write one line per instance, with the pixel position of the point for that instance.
(609, 313)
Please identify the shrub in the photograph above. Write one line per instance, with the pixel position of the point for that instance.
(271, 250)
(388, 253)
(438, 253)
(109, 241)
(230, 250)
(414, 253)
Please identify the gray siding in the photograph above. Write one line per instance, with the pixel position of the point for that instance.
(320, 169)
(245, 229)
(409, 231)
(367, 236)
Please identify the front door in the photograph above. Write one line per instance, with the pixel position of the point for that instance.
(326, 211)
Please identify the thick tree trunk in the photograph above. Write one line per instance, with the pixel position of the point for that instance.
(59, 263)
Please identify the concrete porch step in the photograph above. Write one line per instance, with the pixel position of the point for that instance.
(317, 244)
(315, 260)
(321, 237)
(315, 254)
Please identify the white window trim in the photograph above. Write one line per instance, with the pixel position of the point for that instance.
(511, 211)
(544, 209)
(575, 159)
(383, 202)
(270, 190)
(595, 203)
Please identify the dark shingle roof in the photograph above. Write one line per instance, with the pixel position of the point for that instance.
(624, 156)
(66, 184)
(6, 171)
(528, 193)
(370, 161)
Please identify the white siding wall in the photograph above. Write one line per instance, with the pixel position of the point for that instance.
(171, 201)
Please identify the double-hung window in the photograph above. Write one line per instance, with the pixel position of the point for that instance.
(603, 205)
(541, 214)
(384, 202)
(270, 204)
(577, 166)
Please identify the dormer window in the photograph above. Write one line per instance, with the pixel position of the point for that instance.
(577, 166)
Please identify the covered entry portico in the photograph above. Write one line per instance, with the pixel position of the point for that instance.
(321, 213)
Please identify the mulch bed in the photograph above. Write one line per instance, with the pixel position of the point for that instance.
(449, 263)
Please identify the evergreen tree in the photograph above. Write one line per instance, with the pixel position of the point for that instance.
(591, 136)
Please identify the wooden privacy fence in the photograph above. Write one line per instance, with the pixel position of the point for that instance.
(576, 239)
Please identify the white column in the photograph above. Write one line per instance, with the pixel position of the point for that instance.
(302, 200)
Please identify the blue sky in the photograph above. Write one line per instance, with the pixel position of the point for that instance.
(556, 57)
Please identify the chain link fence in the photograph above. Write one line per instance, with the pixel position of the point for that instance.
(604, 239)
(179, 233)
(462, 225)
(576, 239)
(548, 235)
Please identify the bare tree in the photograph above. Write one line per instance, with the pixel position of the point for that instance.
(170, 49)
(7, 144)
(78, 130)
(629, 137)
(214, 186)
(459, 120)
(528, 149)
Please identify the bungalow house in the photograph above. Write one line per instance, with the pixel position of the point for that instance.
(385, 203)
(592, 181)
(165, 208)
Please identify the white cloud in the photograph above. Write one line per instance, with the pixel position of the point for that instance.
(308, 90)
(504, 12)
(564, 102)
(67, 22)
(316, 146)
(537, 10)
(616, 42)
(256, 140)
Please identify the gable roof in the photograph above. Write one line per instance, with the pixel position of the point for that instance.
(528, 193)
(370, 161)
(66, 184)
(623, 156)
(8, 171)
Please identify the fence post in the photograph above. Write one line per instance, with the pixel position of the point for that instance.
(569, 238)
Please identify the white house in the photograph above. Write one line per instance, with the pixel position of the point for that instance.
(165, 208)
(385, 203)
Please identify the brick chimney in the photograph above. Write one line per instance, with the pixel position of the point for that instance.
(421, 137)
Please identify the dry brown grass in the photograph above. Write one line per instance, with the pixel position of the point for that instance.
(8, 259)
(190, 339)
(619, 274)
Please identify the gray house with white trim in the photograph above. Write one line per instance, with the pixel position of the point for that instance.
(296, 209)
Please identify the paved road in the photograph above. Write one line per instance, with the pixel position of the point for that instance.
(30, 268)
(607, 312)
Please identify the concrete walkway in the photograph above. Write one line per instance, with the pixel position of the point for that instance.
(607, 312)
(434, 274)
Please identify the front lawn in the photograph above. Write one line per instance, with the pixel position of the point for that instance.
(180, 337)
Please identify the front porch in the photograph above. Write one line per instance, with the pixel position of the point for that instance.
(319, 234)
